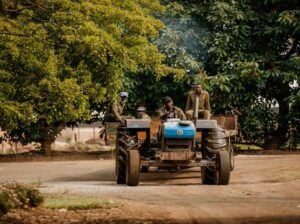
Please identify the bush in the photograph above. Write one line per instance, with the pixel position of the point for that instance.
(256, 123)
(18, 196)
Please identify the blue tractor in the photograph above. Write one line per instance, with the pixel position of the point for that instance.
(178, 144)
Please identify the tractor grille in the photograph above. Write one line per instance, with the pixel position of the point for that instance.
(178, 144)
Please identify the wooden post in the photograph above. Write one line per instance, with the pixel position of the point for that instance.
(94, 133)
(78, 133)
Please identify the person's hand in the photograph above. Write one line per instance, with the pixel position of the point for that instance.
(122, 122)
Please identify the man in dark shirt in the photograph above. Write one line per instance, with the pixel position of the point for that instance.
(170, 111)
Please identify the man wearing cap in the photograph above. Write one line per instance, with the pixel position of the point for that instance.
(204, 104)
(170, 111)
(141, 113)
(115, 109)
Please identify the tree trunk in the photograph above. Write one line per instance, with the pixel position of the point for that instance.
(2, 7)
(278, 138)
(48, 134)
(282, 120)
(46, 146)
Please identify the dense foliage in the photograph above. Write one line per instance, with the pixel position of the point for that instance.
(62, 59)
(256, 45)
(246, 53)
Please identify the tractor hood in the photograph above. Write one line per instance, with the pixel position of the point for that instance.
(177, 129)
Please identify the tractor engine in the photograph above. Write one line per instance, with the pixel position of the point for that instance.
(178, 135)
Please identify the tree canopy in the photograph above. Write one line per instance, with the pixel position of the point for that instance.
(255, 45)
(61, 59)
(246, 54)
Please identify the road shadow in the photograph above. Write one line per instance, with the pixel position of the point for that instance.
(153, 178)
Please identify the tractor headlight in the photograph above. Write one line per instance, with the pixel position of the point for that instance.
(221, 141)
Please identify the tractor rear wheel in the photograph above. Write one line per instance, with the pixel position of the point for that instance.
(133, 168)
(121, 166)
(125, 143)
(145, 169)
(208, 175)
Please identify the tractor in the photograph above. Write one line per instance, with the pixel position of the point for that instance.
(178, 144)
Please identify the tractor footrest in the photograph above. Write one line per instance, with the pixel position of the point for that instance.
(175, 156)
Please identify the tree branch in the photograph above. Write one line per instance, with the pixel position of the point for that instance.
(36, 5)
(15, 34)
(17, 10)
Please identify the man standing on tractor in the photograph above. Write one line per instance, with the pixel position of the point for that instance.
(204, 104)
(116, 108)
(170, 111)
(141, 113)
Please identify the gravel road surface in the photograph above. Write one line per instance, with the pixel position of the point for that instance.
(262, 189)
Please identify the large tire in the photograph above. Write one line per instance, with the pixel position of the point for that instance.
(145, 169)
(125, 143)
(220, 174)
(208, 175)
(216, 140)
(223, 168)
(133, 168)
(121, 167)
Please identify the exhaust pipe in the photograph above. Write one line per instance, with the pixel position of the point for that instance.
(195, 118)
(196, 110)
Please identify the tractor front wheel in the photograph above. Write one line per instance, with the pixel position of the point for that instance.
(220, 174)
(223, 168)
(133, 168)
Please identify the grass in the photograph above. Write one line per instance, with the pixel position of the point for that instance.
(75, 202)
(247, 147)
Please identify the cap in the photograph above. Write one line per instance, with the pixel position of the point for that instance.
(123, 94)
(167, 99)
(142, 109)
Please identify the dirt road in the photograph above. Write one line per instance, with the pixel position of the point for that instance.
(263, 189)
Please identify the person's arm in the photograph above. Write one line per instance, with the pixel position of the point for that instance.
(146, 116)
(207, 103)
(188, 102)
(162, 114)
(181, 114)
(115, 111)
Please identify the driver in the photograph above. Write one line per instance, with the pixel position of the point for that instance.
(170, 111)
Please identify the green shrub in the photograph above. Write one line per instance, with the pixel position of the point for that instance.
(18, 196)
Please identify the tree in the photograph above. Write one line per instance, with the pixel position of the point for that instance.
(249, 56)
(255, 44)
(61, 59)
(180, 42)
